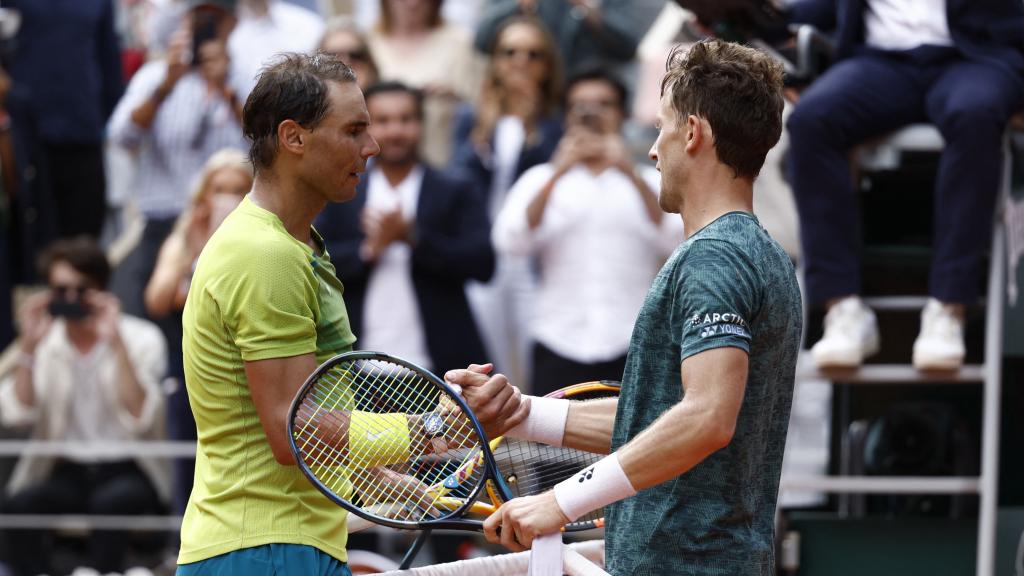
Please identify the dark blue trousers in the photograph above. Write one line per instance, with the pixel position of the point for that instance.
(874, 93)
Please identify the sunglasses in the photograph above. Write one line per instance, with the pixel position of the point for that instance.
(532, 54)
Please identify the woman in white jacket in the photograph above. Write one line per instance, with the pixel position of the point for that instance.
(87, 374)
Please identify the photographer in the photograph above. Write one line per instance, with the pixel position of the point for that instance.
(592, 220)
(176, 113)
(86, 374)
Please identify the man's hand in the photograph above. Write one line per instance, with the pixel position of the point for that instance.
(105, 310)
(382, 227)
(34, 321)
(578, 145)
(178, 58)
(519, 521)
(496, 403)
(617, 154)
(402, 488)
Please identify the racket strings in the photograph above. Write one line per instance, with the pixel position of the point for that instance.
(531, 468)
(392, 470)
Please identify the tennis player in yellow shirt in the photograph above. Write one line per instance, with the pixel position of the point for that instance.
(264, 309)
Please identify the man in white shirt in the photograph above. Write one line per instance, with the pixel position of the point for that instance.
(175, 114)
(957, 64)
(86, 373)
(406, 245)
(591, 219)
(404, 248)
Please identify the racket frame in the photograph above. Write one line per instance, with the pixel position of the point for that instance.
(449, 521)
(568, 392)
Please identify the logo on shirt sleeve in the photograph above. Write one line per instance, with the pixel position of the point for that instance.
(719, 323)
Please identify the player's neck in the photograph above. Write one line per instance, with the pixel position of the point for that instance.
(714, 195)
(283, 197)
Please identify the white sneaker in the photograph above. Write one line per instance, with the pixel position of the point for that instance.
(940, 345)
(851, 335)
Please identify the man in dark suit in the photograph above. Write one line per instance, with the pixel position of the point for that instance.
(407, 244)
(957, 64)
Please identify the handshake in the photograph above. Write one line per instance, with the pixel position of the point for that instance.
(498, 405)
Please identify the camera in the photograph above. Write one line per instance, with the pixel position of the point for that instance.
(70, 309)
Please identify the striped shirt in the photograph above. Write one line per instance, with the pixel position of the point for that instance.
(191, 124)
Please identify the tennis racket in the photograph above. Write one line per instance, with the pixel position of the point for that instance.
(393, 444)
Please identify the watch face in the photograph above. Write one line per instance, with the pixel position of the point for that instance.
(433, 424)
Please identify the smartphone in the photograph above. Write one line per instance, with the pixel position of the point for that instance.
(591, 120)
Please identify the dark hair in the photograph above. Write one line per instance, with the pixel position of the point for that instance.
(82, 253)
(391, 87)
(738, 90)
(594, 71)
(293, 87)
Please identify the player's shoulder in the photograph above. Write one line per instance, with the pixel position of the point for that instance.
(735, 235)
(251, 236)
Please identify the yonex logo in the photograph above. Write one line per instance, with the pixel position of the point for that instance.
(586, 474)
(722, 329)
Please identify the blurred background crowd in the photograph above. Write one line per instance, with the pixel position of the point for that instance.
(510, 217)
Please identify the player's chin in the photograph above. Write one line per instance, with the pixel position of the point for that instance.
(666, 204)
(347, 190)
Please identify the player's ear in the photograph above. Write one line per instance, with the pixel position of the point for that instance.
(291, 136)
(696, 132)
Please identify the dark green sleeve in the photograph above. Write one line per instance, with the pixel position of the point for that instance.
(718, 295)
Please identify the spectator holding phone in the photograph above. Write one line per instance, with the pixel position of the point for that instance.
(89, 374)
(590, 218)
(176, 113)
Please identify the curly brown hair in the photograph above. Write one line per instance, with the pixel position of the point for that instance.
(738, 90)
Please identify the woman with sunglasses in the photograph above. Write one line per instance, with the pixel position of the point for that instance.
(345, 41)
(414, 45)
(516, 125)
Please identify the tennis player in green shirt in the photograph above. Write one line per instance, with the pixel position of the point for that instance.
(695, 439)
(264, 309)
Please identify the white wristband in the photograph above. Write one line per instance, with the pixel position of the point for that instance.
(593, 487)
(545, 423)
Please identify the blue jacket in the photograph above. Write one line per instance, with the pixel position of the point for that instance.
(985, 30)
(453, 245)
(66, 68)
(468, 163)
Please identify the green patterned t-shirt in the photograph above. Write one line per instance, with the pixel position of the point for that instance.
(728, 285)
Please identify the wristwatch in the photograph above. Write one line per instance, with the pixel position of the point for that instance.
(434, 428)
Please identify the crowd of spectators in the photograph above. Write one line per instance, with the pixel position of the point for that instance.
(515, 113)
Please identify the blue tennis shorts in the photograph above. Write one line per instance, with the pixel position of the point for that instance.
(268, 560)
